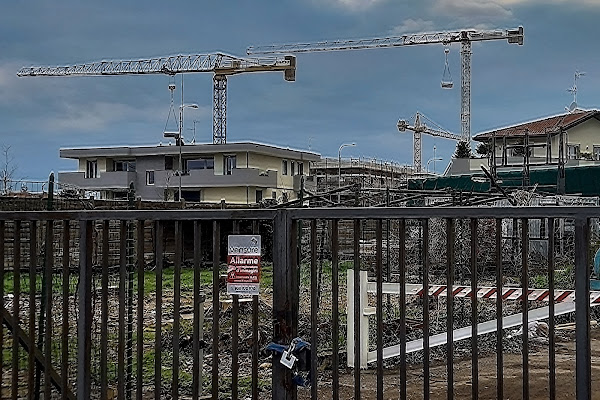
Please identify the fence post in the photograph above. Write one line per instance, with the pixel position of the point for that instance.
(285, 299)
(364, 319)
(84, 324)
(583, 372)
(50, 203)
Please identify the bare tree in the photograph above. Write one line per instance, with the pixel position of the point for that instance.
(8, 169)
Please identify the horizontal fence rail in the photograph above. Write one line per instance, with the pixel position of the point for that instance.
(412, 301)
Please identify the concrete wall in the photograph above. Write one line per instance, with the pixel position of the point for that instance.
(118, 180)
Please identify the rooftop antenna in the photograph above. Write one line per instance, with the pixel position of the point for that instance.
(194, 131)
(573, 90)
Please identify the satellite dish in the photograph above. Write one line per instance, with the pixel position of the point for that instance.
(572, 107)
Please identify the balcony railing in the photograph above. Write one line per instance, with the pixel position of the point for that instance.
(105, 180)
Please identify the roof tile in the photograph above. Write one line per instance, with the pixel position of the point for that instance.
(542, 126)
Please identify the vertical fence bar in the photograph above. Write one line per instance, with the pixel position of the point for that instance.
(525, 303)
(499, 314)
(197, 329)
(335, 323)
(16, 301)
(379, 312)
(314, 303)
(129, 345)
(158, 226)
(176, 305)
(66, 264)
(216, 309)
(357, 310)
(474, 313)
(255, 231)
(402, 304)
(84, 323)
(130, 273)
(2, 266)
(122, 301)
(583, 366)
(285, 291)
(426, 350)
(32, 293)
(551, 325)
(235, 314)
(140, 311)
(450, 235)
(49, 284)
(104, 311)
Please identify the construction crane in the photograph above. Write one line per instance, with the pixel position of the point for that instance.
(419, 128)
(464, 37)
(220, 64)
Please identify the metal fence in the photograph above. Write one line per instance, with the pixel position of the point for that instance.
(129, 320)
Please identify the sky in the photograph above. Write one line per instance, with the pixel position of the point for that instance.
(338, 97)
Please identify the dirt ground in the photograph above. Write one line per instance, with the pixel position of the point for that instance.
(513, 377)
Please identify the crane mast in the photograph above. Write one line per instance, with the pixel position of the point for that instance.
(220, 64)
(419, 128)
(464, 37)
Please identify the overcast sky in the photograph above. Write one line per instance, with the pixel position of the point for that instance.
(338, 97)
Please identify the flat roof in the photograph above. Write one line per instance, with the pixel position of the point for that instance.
(189, 149)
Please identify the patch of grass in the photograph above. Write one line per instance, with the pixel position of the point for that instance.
(168, 279)
(25, 283)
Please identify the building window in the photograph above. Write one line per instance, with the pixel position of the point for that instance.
(124, 165)
(300, 168)
(292, 168)
(259, 195)
(91, 169)
(229, 163)
(573, 151)
(199, 163)
(149, 177)
(597, 153)
(284, 170)
(191, 195)
(274, 195)
(168, 163)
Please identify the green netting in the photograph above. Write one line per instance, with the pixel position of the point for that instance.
(578, 180)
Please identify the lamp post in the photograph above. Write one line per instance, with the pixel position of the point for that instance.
(434, 159)
(340, 165)
(180, 140)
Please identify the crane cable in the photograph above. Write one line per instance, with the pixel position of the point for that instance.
(447, 76)
(172, 106)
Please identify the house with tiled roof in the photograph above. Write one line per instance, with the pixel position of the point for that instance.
(581, 137)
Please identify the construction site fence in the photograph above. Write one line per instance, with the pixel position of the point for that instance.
(89, 311)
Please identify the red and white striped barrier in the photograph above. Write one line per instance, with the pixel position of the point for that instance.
(508, 293)
(566, 297)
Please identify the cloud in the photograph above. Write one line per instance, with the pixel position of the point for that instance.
(471, 9)
(545, 2)
(351, 5)
(97, 116)
(412, 26)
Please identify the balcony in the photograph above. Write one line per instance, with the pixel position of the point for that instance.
(106, 180)
(198, 178)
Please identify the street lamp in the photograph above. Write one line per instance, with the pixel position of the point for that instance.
(434, 159)
(179, 138)
(340, 166)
